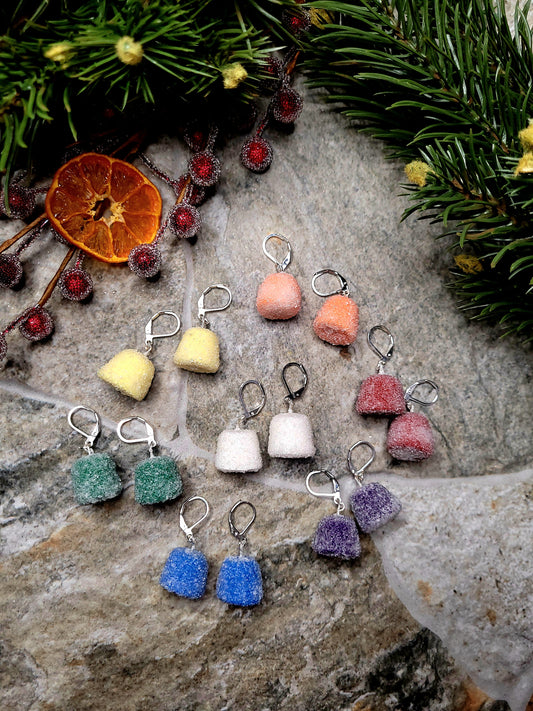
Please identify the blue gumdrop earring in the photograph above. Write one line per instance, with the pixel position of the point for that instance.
(239, 580)
(185, 572)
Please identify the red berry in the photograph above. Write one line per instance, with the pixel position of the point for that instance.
(75, 284)
(10, 270)
(195, 138)
(3, 347)
(37, 325)
(256, 154)
(297, 22)
(145, 260)
(21, 202)
(204, 169)
(195, 194)
(273, 71)
(185, 220)
(286, 105)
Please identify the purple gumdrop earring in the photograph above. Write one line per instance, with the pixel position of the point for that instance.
(373, 505)
(336, 535)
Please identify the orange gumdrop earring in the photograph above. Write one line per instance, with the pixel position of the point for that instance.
(338, 319)
(279, 297)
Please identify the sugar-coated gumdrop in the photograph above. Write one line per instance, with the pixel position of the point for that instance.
(157, 480)
(410, 438)
(198, 351)
(337, 321)
(337, 536)
(185, 573)
(95, 478)
(238, 452)
(239, 581)
(290, 436)
(279, 297)
(373, 506)
(130, 372)
(381, 395)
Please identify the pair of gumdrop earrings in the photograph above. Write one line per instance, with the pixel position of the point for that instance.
(279, 298)
(372, 504)
(410, 437)
(239, 581)
(290, 433)
(95, 479)
(132, 372)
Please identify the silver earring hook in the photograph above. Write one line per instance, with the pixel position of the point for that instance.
(250, 412)
(187, 530)
(149, 439)
(149, 335)
(240, 535)
(203, 309)
(358, 474)
(343, 288)
(89, 436)
(335, 495)
(383, 357)
(280, 266)
(433, 387)
(293, 394)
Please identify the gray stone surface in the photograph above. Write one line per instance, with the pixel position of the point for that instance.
(84, 621)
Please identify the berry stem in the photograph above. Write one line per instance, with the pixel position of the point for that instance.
(31, 238)
(51, 286)
(5, 245)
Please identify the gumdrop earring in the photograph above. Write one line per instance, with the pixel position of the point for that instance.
(157, 479)
(238, 450)
(336, 535)
(381, 394)
(185, 572)
(338, 319)
(94, 477)
(199, 349)
(410, 437)
(279, 296)
(373, 505)
(290, 433)
(239, 580)
(131, 372)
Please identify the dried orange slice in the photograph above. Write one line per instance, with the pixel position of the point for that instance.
(104, 206)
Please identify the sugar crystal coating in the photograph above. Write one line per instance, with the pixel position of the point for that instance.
(381, 395)
(95, 478)
(130, 372)
(290, 436)
(279, 297)
(157, 480)
(239, 581)
(410, 438)
(337, 536)
(337, 321)
(238, 452)
(198, 351)
(185, 573)
(373, 506)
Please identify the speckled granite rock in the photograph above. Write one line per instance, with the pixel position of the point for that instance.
(84, 621)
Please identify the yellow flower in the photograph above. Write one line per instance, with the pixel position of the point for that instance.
(416, 172)
(526, 136)
(129, 51)
(468, 263)
(525, 164)
(59, 52)
(233, 74)
(319, 18)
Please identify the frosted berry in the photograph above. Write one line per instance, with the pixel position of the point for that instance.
(10, 270)
(145, 260)
(204, 169)
(3, 347)
(37, 325)
(21, 202)
(195, 138)
(256, 154)
(75, 284)
(195, 193)
(297, 22)
(272, 71)
(185, 220)
(287, 105)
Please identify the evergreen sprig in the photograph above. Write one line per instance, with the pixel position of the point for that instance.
(449, 84)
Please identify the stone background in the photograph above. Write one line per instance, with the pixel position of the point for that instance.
(436, 615)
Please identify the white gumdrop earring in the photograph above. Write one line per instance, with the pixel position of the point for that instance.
(238, 450)
(290, 434)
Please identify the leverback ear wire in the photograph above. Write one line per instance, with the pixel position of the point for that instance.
(335, 495)
(292, 395)
(188, 530)
(149, 335)
(359, 474)
(203, 310)
(90, 437)
(149, 439)
(433, 387)
(383, 357)
(343, 284)
(280, 266)
(241, 535)
(248, 413)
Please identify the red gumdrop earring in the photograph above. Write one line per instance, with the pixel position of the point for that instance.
(410, 437)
